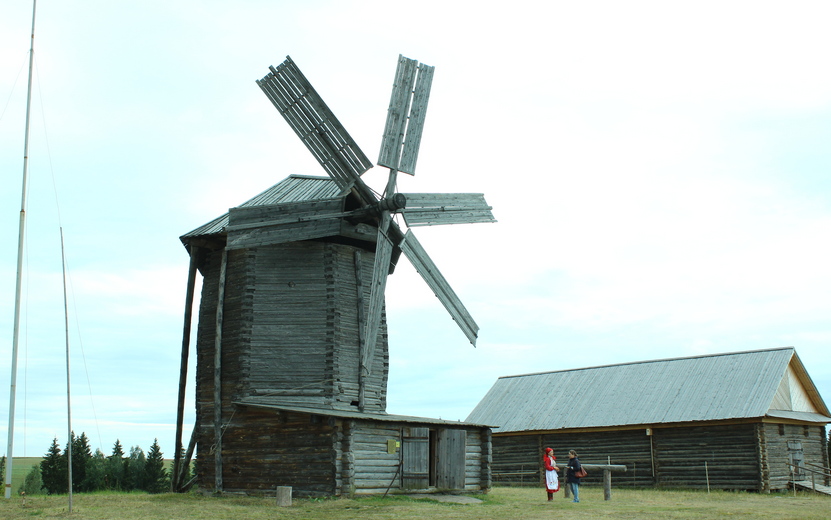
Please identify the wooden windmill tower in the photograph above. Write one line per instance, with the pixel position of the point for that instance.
(292, 308)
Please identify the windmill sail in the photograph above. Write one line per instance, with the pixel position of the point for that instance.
(430, 273)
(380, 271)
(405, 115)
(432, 209)
(304, 110)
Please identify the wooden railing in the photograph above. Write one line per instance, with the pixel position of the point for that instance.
(814, 469)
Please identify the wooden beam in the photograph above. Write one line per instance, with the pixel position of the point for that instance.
(362, 372)
(194, 435)
(183, 367)
(218, 375)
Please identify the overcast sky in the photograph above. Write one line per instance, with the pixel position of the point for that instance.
(659, 170)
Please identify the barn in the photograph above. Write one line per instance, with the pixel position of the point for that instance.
(739, 421)
(286, 392)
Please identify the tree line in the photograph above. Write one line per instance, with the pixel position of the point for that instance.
(119, 471)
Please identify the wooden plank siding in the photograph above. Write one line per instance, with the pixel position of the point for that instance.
(376, 470)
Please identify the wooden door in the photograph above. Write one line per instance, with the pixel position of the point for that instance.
(796, 457)
(415, 458)
(450, 459)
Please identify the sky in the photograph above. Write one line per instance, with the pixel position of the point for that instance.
(659, 172)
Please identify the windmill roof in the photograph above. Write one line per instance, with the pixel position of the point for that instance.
(294, 188)
(742, 385)
(254, 403)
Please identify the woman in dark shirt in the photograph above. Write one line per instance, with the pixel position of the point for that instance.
(571, 480)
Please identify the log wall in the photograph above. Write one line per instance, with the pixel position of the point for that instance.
(776, 450)
(741, 456)
(375, 470)
(235, 338)
(730, 453)
(263, 449)
(517, 460)
(289, 333)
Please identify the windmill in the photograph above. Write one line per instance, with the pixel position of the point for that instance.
(329, 142)
(287, 324)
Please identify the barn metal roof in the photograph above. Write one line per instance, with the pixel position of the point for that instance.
(294, 188)
(740, 385)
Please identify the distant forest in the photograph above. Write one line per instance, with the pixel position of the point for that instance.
(96, 471)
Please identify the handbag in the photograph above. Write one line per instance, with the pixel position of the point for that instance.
(580, 473)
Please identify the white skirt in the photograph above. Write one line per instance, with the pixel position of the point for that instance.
(552, 481)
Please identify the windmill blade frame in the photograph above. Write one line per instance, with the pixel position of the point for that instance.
(434, 209)
(315, 124)
(406, 115)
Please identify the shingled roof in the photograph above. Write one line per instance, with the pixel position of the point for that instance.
(741, 385)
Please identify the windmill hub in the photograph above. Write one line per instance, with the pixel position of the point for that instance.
(392, 204)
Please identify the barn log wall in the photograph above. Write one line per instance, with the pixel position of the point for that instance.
(739, 456)
(631, 448)
(775, 449)
(517, 459)
(730, 453)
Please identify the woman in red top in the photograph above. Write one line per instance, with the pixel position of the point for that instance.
(552, 481)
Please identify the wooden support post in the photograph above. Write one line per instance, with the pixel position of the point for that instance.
(283, 496)
(181, 485)
(607, 484)
(607, 476)
(218, 375)
(183, 369)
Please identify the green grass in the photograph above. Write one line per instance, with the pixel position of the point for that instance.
(499, 504)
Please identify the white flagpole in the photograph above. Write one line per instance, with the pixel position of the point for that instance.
(20, 242)
(68, 386)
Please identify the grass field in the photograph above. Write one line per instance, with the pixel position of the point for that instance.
(499, 504)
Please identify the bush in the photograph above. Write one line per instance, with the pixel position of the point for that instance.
(32, 484)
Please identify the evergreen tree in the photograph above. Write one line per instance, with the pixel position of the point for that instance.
(53, 470)
(116, 464)
(155, 475)
(3, 468)
(96, 472)
(32, 484)
(134, 471)
(81, 454)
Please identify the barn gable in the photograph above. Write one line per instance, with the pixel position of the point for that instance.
(741, 385)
